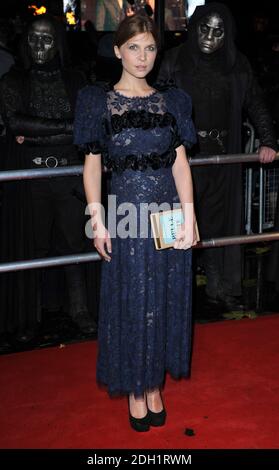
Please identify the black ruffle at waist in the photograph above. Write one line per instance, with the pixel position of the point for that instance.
(141, 162)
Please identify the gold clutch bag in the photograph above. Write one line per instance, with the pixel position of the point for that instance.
(164, 227)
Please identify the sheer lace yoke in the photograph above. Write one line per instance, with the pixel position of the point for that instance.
(119, 103)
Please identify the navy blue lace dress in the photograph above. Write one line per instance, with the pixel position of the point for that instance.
(145, 306)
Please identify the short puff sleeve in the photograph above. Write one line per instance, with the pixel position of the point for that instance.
(179, 104)
(90, 112)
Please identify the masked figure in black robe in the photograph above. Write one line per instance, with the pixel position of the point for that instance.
(221, 83)
(39, 215)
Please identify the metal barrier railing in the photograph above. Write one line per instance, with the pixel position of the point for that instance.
(85, 257)
(271, 185)
(15, 175)
(249, 179)
(261, 185)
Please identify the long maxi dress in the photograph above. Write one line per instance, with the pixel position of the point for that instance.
(145, 303)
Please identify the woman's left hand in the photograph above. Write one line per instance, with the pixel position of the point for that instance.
(186, 237)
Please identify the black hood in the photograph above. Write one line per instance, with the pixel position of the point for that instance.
(227, 54)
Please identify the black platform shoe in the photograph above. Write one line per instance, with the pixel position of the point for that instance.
(140, 424)
(157, 419)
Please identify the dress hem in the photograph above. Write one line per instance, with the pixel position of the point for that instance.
(140, 392)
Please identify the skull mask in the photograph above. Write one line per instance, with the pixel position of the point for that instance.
(211, 33)
(42, 41)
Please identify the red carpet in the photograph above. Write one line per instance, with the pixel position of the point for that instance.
(49, 398)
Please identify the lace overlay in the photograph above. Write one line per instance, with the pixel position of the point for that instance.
(145, 307)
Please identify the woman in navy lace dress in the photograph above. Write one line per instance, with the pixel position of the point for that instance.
(145, 313)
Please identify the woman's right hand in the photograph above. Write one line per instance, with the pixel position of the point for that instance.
(102, 242)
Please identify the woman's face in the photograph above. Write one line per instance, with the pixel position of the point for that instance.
(138, 54)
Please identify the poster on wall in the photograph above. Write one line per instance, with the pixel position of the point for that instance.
(106, 14)
(70, 12)
(178, 13)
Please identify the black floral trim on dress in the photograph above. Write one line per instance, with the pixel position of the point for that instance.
(140, 119)
(132, 162)
(141, 162)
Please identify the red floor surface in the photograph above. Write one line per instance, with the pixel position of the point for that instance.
(49, 398)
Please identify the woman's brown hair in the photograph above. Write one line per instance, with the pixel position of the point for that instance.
(132, 25)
